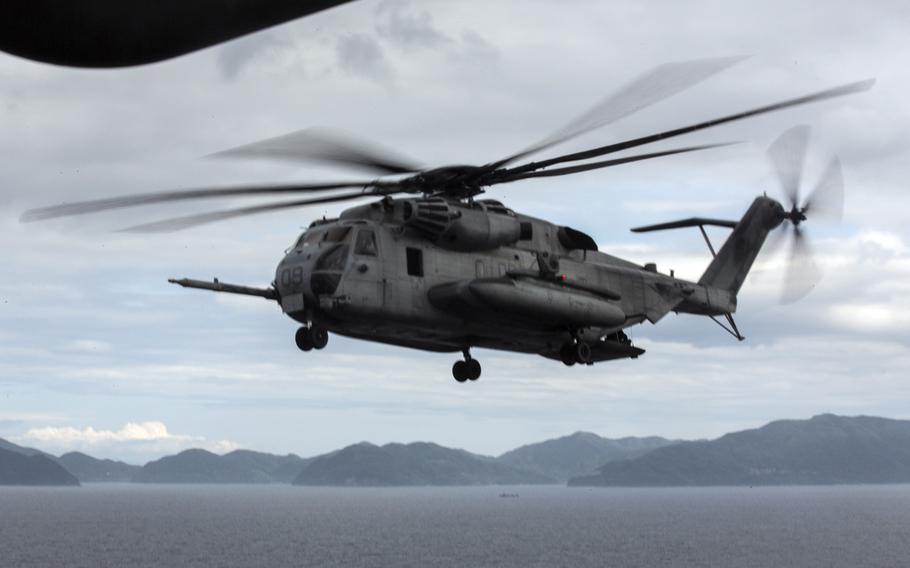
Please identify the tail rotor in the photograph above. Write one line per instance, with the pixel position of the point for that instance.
(826, 200)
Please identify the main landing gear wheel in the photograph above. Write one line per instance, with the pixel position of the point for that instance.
(467, 370)
(582, 353)
(313, 337)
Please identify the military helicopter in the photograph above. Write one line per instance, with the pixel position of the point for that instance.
(429, 265)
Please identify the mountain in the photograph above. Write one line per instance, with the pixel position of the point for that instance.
(22, 469)
(241, 466)
(578, 454)
(7, 445)
(88, 469)
(419, 463)
(825, 449)
(279, 469)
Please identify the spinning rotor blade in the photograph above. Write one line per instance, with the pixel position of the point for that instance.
(840, 91)
(79, 208)
(788, 156)
(654, 86)
(180, 223)
(802, 272)
(324, 146)
(609, 163)
(827, 199)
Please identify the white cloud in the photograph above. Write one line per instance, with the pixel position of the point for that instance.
(131, 432)
(138, 441)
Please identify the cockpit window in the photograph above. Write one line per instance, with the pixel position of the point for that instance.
(366, 243)
(309, 238)
(337, 234)
(333, 259)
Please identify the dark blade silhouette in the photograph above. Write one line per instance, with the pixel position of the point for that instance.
(654, 86)
(119, 33)
(179, 223)
(609, 163)
(325, 146)
(94, 206)
(839, 91)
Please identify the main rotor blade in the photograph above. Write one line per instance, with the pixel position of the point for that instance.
(840, 91)
(802, 273)
(656, 85)
(608, 163)
(82, 207)
(827, 199)
(787, 155)
(180, 223)
(324, 146)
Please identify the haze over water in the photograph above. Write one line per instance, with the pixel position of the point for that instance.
(154, 525)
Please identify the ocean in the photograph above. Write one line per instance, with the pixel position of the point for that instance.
(122, 525)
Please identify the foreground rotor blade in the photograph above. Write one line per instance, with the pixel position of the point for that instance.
(802, 272)
(827, 199)
(840, 91)
(180, 223)
(788, 156)
(657, 84)
(79, 208)
(608, 163)
(324, 146)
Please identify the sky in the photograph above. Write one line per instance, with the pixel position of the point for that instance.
(99, 353)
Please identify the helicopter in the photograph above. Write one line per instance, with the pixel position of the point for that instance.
(429, 264)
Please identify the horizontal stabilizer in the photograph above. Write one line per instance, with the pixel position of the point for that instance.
(216, 286)
(692, 222)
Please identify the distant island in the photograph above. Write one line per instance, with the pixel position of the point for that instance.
(419, 463)
(826, 449)
(18, 468)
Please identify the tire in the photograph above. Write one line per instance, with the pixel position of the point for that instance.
(460, 371)
(567, 354)
(474, 369)
(303, 339)
(319, 336)
(582, 353)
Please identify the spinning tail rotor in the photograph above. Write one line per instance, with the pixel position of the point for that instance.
(826, 200)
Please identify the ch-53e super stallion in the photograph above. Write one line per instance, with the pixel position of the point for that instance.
(429, 265)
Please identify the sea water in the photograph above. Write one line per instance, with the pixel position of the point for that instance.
(121, 525)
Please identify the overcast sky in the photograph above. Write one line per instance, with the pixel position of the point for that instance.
(99, 353)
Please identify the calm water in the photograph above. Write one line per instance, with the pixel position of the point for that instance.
(173, 526)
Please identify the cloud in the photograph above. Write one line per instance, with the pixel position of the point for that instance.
(235, 56)
(143, 440)
(131, 432)
(407, 28)
(361, 55)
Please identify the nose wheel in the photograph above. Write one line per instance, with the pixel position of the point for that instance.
(312, 337)
(467, 370)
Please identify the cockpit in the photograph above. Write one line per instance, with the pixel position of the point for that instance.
(322, 253)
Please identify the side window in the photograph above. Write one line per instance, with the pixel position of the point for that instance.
(415, 261)
(366, 243)
(478, 268)
(526, 231)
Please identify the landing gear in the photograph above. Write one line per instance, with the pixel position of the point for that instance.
(467, 370)
(313, 337)
(575, 352)
(567, 354)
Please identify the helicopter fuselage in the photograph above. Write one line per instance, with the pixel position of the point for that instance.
(477, 275)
